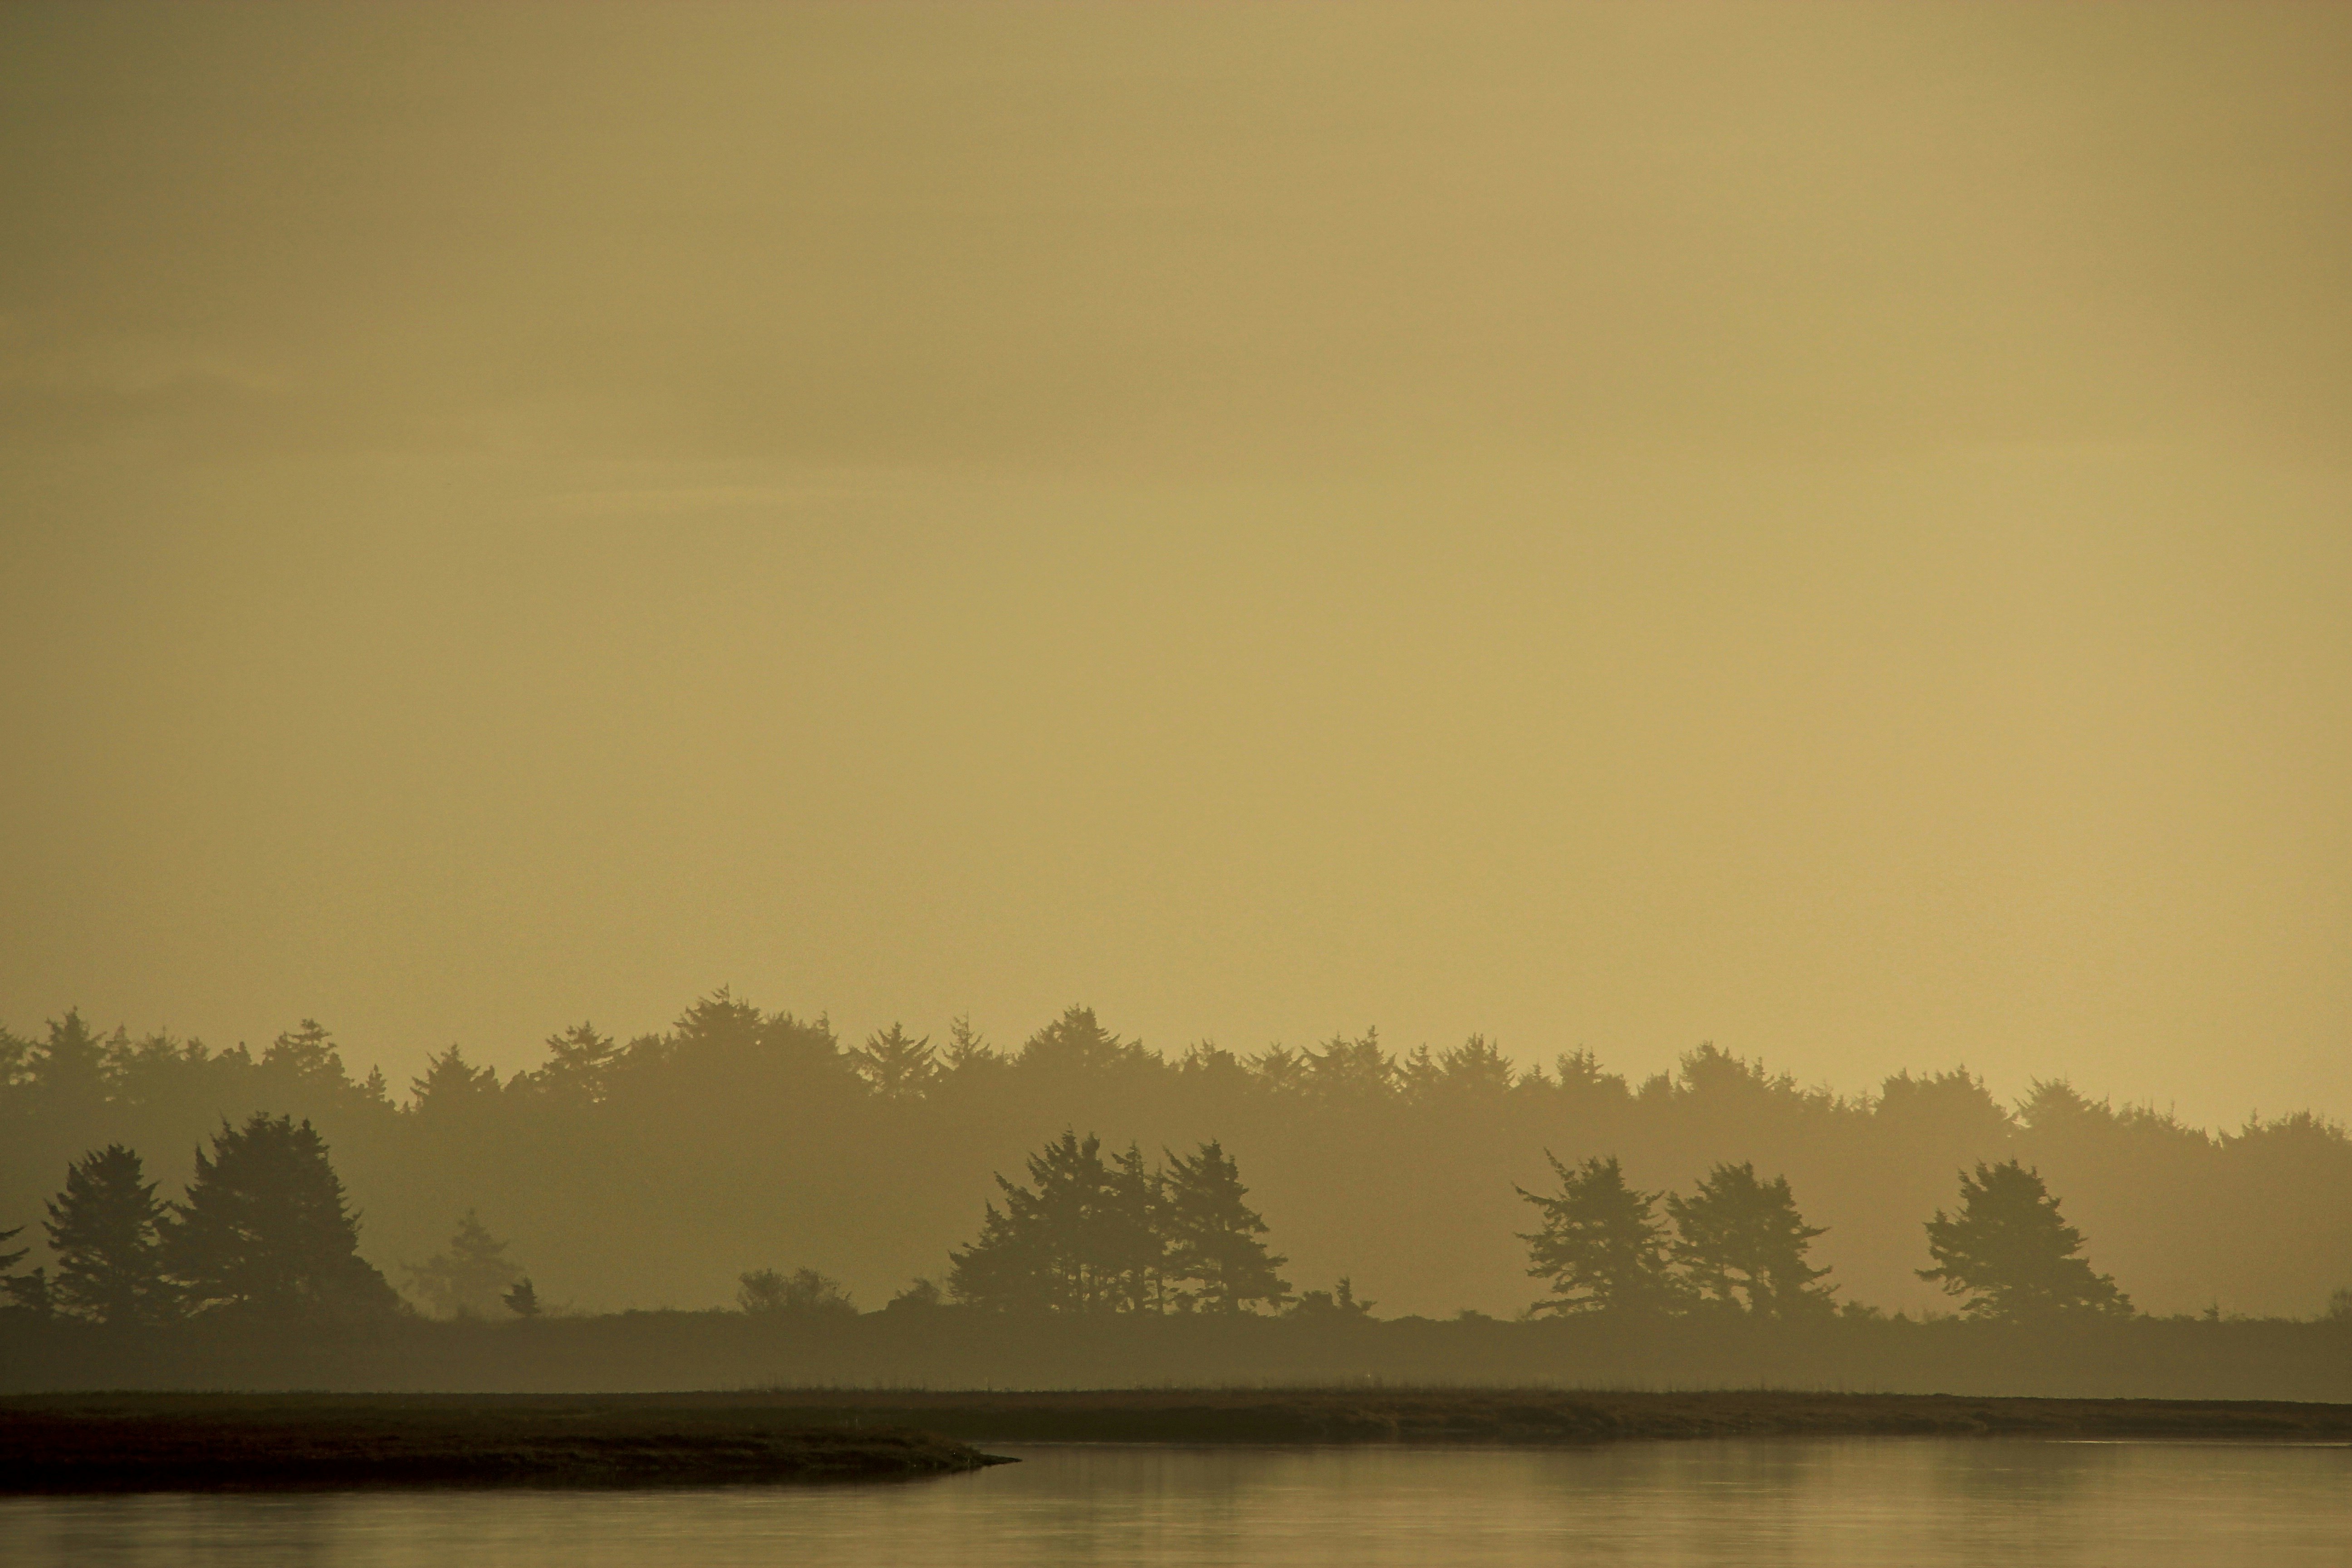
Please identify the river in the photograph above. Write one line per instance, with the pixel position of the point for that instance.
(1914, 1502)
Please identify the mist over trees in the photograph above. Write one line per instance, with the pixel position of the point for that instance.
(658, 1170)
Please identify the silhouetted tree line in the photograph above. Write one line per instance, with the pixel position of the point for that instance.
(264, 1230)
(1738, 1245)
(646, 1170)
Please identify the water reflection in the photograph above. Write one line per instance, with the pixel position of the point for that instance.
(1925, 1502)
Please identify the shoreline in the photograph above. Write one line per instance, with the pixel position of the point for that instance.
(145, 1442)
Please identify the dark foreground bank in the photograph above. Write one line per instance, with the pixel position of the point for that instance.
(1541, 1416)
(180, 1442)
(172, 1441)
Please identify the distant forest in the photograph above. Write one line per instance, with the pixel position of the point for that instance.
(743, 1151)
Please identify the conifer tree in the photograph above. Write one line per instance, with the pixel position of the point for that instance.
(1079, 1239)
(104, 1228)
(1600, 1245)
(307, 1062)
(1214, 1256)
(68, 1073)
(25, 1292)
(898, 1068)
(2011, 1253)
(469, 1280)
(265, 1229)
(577, 1062)
(1741, 1243)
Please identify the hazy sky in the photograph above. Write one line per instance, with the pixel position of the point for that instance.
(1827, 529)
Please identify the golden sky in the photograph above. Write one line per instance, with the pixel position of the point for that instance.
(1820, 528)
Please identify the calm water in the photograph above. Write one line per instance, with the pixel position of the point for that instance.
(1919, 1503)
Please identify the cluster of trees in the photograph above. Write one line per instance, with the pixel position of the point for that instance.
(740, 1130)
(265, 1229)
(1094, 1236)
(1739, 1244)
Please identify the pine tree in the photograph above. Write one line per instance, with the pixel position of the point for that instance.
(470, 1279)
(265, 1229)
(68, 1073)
(522, 1298)
(1130, 1250)
(1081, 1241)
(453, 1090)
(1215, 1256)
(966, 1048)
(306, 1061)
(1741, 1242)
(1601, 1247)
(104, 1228)
(2011, 1253)
(25, 1292)
(898, 1068)
(577, 1063)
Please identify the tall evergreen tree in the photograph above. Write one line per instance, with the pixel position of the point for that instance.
(966, 1047)
(265, 1229)
(1076, 1046)
(1079, 1239)
(104, 1228)
(2011, 1255)
(1741, 1242)
(898, 1068)
(306, 1062)
(68, 1071)
(24, 1292)
(470, 1279)
(1214, 1258)
(1129, 1243)
(578, 1060)
(453, 1090)
(1602, 1245)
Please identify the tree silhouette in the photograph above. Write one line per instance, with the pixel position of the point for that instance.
(1211, 1236)
(1339, 1302)
(1076, 1045)
(968, 1049)
(578, 1060)
(306, 1063)
(265, 1229)
(1741, 1242)
(919, 1296)
(104, 1228)
(2011, 1253)
(1600, 1245)
(898, 1068)
(69, 1072)
(25, 1292)
(469, 1280)
(1082, 1241)
(802, 1293)
(522, 1298)
(452, 1089)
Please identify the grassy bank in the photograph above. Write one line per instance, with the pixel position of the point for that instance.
(174, 1442)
